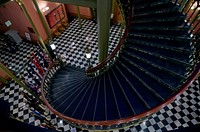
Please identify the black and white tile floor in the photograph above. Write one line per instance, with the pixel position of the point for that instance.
(71, 45)
(183, 112)
(16, 61)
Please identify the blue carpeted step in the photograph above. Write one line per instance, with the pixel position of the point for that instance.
(167, 10)
(83, 102)
(144, 95)
(64, 72)
(140, 80)
(70, 76)
(61, 87)
(142, 52)
(161, 42)
(163, 68)
(143, 1)
(162, 38)
(67, 74)
(149, 4)
(174, 67)
(161, 30)
(163, 75)
(70, 69)
(90, 106)
(122, 98)
(61, 79)
(162, 52)
(62, 100)
(181, 48)
(160, 21)
(149, 72)
(100, 103)
(71, 102)
(112, 108)
(161, 87)
(58, 91)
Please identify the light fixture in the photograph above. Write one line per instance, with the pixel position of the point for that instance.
(88, 56)
(53, 47)
(61, 121)
(88, 53)
(196, 5)
(111, 16)
(45, 9)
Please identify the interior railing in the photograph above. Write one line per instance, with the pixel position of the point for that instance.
(89, 125)
(112, 124)
(123, 21)
(124, 6)
(46, 80)
(109, 61)
(190, 8)
(192, 20)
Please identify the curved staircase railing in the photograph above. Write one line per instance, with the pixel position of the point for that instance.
(94, 71)
(112, 124)
(191, 9)
(186, 8)
(90, 125)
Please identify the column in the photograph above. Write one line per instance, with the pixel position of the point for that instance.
(104, 8)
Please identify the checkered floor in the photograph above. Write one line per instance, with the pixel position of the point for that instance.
(15, 61)
(183, 112)
(72, 47)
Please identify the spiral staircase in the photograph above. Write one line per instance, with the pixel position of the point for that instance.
(155, 61)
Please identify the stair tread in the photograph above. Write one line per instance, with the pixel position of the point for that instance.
(175, 67)
(163, 11)
(164, 68)
(163, 75)
(163, 37)
(161, 52)
(154, 62)
(158, 45)
(139, 90)
(162, 56)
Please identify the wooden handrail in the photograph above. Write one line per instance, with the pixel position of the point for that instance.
(182, 88)
(185, 85)
(121, 42)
